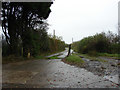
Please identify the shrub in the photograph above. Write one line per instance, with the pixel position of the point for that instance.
(101, 43)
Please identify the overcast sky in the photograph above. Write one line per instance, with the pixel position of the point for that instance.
(80, 18)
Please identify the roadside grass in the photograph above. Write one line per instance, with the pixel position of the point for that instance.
(92, 58)
(43, 55)
(40, 57)
(103, 54)
(108, 55)
(13, 58)
(95, 58)
(53, 57)
(100, 60)
(74, 59)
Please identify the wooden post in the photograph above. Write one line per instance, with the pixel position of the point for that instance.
(28, 55)
(69, 50)
(22, 51)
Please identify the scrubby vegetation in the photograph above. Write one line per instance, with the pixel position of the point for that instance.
(105, 44)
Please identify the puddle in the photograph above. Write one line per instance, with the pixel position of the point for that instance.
(85, 59)
(114, 78)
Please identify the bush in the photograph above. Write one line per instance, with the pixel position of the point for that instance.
(101, 43)
(92, 53)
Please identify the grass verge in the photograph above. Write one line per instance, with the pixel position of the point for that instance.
(53, 57)
(13, 58)
(74, 60)
(115, 56)
(92, 58)
(43, 55)
(40, 57)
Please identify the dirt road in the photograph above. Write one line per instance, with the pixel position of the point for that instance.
(51, 73)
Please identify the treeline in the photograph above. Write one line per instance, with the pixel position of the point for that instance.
(99, 43)
(36, 42)
(25, 29)
(56, 43)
